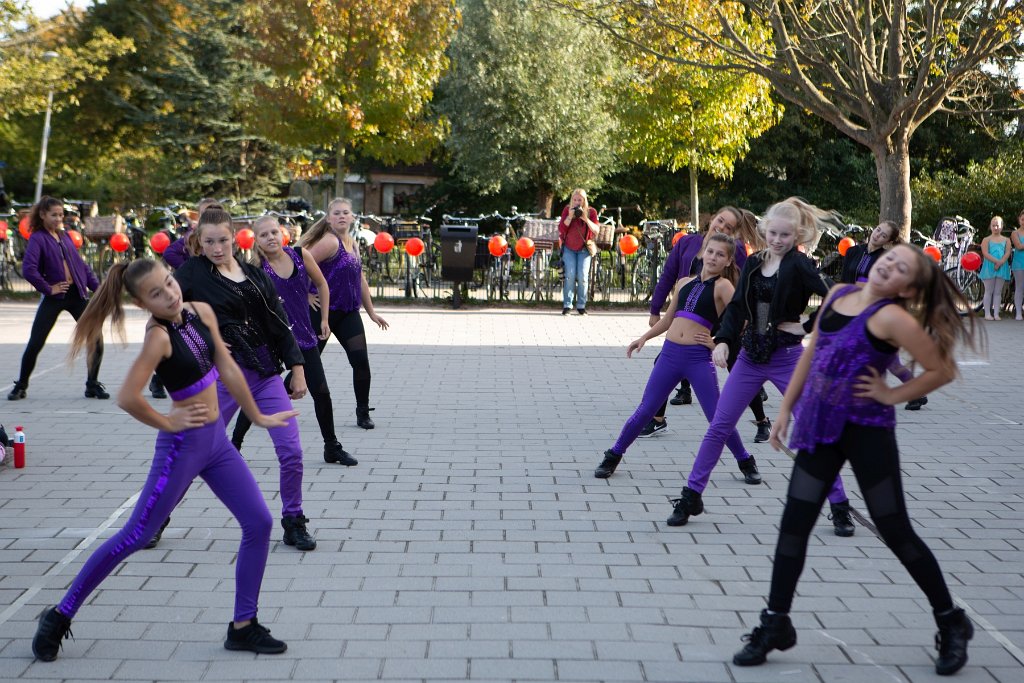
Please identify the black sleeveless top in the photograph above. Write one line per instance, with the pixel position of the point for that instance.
(697, 302)
(189, 369)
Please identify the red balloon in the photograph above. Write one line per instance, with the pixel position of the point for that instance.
(23, 227)
(383, 242)
(971, 261)
(934, 252)
(3, 230)
(414, 247)
(845, 244)
(628, 244)
(76, 238)
(245, 238)
(159, 242)
(286, 236)
(119, 242)
(497, 245)
(678, 236)
(524, 247)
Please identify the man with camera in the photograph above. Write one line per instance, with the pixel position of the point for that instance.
(576, 230)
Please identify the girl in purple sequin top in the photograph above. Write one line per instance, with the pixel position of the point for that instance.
(294, 272)
(843, 412)
(183, 345)
(332, 245)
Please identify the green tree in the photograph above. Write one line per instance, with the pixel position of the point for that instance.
(356, 76)
(529, 100)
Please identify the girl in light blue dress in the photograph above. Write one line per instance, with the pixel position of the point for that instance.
(995, 271)
(1017, 238)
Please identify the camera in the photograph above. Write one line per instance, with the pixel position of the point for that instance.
(577, 211)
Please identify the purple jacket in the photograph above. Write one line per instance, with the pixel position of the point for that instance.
(44, 264)
(678, 265)
(177, 253)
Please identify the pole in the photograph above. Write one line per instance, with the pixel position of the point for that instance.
(42, 151)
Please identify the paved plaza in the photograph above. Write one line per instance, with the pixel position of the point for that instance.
(472, 542)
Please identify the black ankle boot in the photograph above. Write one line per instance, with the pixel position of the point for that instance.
(96, 390)
(764, 431)
(683, 397)
(776, 632)
(295, 533)
(363, 417)
(955, 629)
(608, 465)
(688, 504)
(156, 388)
(156, 537)
(749, 469)
(841, 519)
(53, 628)
(18, 392)
(333, 452)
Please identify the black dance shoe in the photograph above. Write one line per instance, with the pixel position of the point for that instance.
(608, 465)
(255, 638)
(53, 628)
(688, 504)
(96, 390)
(749, 469)
(363, 417)
(333, 452)
(683, 397)
(295, 533)
(955, 629)
(841, 519)
(776, 632)
(18, 392)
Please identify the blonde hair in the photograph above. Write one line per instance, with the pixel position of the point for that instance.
(805, 218)
(257, 255)
(322, 227)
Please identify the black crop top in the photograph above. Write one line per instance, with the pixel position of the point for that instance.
(832, 320)
(697, 302)
(189, 369)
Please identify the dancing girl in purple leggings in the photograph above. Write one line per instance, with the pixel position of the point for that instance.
(764, 317)
(184, 348)
(693, 312)
(843, 411)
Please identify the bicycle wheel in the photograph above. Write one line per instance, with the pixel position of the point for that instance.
(640, 281)
(969, 284)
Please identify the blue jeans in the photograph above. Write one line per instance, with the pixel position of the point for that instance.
(577, 275)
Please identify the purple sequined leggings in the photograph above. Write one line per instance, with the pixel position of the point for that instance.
(178, 459)
(745, 380)
(677, 362)
(271, 397)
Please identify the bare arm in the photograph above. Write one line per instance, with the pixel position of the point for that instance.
(662, 325)
(155, 348)
(367, 300)
(324, 248)
(316, 276)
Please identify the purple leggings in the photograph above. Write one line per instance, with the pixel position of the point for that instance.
(677, 362)
(178, 459)
(271, 397)
(744, 381)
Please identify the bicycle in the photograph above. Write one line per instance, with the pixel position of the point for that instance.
(8, 263)
(650, 258)
(952, 250)
(498, 277)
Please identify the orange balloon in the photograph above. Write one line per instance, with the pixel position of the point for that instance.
(159, 242)
(845, 244)
(970, 261)
(628, 244)
(524, 247)
(497, 245)
(286, 237)
(23, 227)
(414, 247)
(934, 252)
(678, 236)
(76, 238)
(750, 249)
(119, 242)
(383, 242)
(245, 238)
(3, 230)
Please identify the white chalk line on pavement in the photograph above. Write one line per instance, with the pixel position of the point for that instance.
(66, 560)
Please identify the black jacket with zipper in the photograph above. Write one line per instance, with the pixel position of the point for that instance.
(200, 281)
(799, 279)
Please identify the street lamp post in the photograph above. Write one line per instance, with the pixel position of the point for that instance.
(48, 56)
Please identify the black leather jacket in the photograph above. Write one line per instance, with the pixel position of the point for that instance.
(799, 279)
(200, 281)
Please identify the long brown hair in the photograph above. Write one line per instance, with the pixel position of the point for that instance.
(322, 227)
(107, 302)
(939, 307)
(212, 216)
(35, 218)
(730, 272)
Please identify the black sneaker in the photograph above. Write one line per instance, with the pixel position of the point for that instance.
(53, 628)
(333, 452)
(156, 537)
(18, 392)
(608, 465)
(764, 431)
(565, 311)
(581, 311)
(776, 632)
(295, 533)
(915, 404)
(363, 417)
(687, 505)
(749, 469)
(955, 629)
(683, 397)
(652, 428)
(96, 390)
(255, 638)
(156, 388)
(841, 519)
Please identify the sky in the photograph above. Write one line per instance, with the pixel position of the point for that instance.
(47, 8)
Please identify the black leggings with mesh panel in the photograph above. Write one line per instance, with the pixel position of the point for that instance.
(347, 326)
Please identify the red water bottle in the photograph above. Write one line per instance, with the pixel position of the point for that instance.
(19, 447)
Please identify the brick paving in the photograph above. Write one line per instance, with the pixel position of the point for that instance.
(472, 541)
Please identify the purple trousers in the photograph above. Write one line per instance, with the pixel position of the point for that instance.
(677, 362)
(744, 381)
(178, 459)
(271, 397)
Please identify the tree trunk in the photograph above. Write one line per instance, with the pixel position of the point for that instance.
(545, 198)
(694, 198)
(340, 171)
(892, 162)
